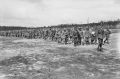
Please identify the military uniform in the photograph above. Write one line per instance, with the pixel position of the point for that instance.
(107, 35)
(76, 37)
(100, 35)
(87, 36)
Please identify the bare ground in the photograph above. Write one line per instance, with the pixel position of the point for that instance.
(39, 59)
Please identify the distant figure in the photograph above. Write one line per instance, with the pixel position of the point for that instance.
(87, 36)
(65, 36)
(76, 36)
(80, 36)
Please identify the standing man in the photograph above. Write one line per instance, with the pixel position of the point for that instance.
(107, 35)
(75, 36)
(87, 36)
(100, 35)
(80, 36)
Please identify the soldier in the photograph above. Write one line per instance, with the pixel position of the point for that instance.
(107, 35)
(93, 36)
(75, 36)
(80, 36)
(100, 35)
(53, 34)
(59, 34)
(87, 36)
(83, 37)
(66, 36)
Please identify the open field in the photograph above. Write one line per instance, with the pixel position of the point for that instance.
(39, 59)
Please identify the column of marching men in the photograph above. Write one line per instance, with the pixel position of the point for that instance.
(75, 35)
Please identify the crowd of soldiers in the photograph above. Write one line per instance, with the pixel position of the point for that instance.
(76, 35)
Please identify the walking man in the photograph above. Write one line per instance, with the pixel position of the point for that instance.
(100, 35)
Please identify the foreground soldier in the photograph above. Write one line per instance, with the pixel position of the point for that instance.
(100, 35)
(93, 36)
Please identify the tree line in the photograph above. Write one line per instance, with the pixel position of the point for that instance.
(110, 24)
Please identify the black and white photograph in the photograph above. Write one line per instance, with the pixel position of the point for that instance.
(59, 39)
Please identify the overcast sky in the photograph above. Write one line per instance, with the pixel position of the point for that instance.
(53, 12)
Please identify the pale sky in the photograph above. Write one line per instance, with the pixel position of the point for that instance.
(53, 12)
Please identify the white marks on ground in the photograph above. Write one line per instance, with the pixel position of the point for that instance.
(5, 53)
(60, 69)
(2, 76)
(27, 40)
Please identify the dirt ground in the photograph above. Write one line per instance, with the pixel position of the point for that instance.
(40, 59)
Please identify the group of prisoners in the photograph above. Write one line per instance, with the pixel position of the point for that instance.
(75, 35)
